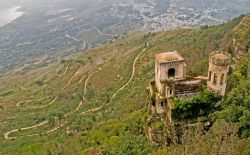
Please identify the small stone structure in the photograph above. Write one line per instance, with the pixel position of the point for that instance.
(217, 73)
(171, 80)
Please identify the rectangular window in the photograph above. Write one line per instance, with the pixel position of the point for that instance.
(215, 78)
(222, 79)
(209, 76)
(162, 104)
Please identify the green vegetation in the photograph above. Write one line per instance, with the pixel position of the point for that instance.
(6, 93)
(221, 138)
(118, 125)
(197, 106)
(236, 107)
(242, 32)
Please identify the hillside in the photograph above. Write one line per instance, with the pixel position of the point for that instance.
(51, 30)
(96, 101)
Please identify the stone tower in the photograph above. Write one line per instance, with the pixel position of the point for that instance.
(217, 72)
(170, 81)
(169, 67)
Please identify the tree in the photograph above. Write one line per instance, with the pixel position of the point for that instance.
(194, 107)
(245, 124)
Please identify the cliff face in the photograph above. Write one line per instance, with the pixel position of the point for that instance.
(241, 40)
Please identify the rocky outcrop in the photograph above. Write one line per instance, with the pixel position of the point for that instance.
(155, 130)
(241, 40)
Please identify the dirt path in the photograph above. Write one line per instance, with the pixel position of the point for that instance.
(44, 106)
(55, 74)
(78, 107)
(7, 137)
(28, 101)
(72, 77)
(120, 89)
(60, 75)
(103, 34)
(132, 76)
(80, 81)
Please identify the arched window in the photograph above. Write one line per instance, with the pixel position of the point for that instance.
(171, 73)
(222, 79)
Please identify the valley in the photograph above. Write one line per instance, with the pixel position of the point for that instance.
(97, 99)
(50, 31)
(74, 77)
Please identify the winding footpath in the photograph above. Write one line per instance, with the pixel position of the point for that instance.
(7, 137)
(7, 134)
(120, 89)
(28, 101)
(103, 34)
(44, 106)
(60, 75)
(132, 76)
(66, 115)
(73, 77)
(56, 74)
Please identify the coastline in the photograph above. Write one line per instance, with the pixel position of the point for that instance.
(8, 15)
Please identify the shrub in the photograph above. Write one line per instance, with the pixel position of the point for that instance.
(194, 107)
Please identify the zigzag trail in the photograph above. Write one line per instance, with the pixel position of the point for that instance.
(73, 77)
(120, 89)
(28, 101)
(44, 106)
(60, 75)
(7, 134)
(78, 107)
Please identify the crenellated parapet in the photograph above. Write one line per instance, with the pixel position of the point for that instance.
(219, 58)
(219, 63)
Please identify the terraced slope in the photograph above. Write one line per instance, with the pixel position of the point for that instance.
(95, 101)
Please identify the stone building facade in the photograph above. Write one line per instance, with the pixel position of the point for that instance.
(171, 80)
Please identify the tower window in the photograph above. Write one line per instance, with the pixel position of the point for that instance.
(215, 78)
(222, 79)
(170, 91)
(162, 104)
(209, 76)
(171, 73)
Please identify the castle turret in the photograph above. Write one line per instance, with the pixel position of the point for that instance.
(217, 73)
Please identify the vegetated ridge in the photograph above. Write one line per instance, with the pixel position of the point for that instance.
(96, 101)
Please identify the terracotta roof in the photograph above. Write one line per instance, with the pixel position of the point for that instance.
(168, 57)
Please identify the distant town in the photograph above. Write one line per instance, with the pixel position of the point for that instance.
(47, 32)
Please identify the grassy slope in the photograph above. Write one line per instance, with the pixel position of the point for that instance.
(117, 128)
